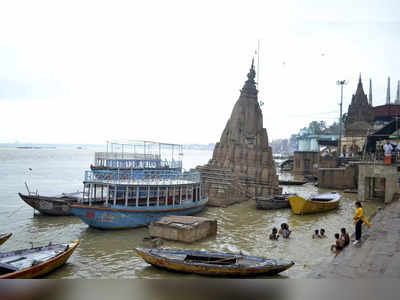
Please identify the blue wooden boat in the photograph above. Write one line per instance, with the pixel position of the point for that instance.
(135, 189)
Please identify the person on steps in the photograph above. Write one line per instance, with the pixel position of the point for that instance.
(358, 220)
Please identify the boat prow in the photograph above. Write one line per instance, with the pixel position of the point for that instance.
(35, 262)
(315, 204)
(212, 263)
(4, 237)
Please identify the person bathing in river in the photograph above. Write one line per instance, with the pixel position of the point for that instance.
(274, 235)
(358, 220)
(345, 237)
(316, 234)
(338, 246)
(285, 231)
(322, 233)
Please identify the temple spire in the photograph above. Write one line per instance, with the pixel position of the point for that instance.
(398, 93)
(388, 92)
(249, 88)
(370, 92)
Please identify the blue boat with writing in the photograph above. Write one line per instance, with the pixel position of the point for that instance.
(138, 187)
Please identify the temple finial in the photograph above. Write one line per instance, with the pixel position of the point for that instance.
(359, 79)
(398, 93)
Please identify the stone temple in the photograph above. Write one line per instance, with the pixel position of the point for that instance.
(242, 166)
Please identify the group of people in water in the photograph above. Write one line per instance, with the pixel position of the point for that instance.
(342, 239)
(284, 231)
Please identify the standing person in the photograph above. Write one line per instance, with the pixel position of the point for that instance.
(388, 148)
(358, 220)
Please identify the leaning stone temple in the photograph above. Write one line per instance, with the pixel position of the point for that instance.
(242, 166)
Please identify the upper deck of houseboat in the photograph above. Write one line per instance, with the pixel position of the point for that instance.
(139, 155)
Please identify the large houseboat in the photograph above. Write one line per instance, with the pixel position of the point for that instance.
(138, 186)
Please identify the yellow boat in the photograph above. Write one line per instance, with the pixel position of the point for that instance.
(4, 237)
(314, 204)
(35, 262)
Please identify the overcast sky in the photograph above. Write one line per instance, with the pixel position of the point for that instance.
(171, 71)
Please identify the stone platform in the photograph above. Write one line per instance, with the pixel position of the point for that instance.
(187, 229)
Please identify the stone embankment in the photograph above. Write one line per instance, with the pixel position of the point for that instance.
(378, 255)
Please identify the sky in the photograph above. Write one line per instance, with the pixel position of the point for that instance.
(171, 71)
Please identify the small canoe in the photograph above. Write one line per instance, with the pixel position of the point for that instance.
(212, 263)
(273, 202)
(35, 262)
(315, 204)
(4, 237)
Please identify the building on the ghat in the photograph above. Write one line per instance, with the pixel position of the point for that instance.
(367, 128)
(242, 166)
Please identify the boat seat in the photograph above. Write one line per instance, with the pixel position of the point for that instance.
(7, 268)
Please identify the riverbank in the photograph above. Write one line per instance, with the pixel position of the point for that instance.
(377, 256)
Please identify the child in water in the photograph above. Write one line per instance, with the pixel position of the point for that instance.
(285, 231)
(345, 237)
(316, 234)
(338, 246)
(274, 235)
(322, 235)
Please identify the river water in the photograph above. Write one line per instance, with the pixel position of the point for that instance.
(109, 254)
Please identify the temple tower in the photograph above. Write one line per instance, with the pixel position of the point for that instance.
(242, 166)
(397, 101)
(388, 92)
(370, 93)
(359, 115)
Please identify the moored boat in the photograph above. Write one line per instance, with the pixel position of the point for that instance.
(314, 204)
(212, 263)
(4, 237)
(35, 262)
(152, 188)
(52, 206)
(273, 202)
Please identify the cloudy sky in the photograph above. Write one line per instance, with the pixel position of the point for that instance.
(88, 71)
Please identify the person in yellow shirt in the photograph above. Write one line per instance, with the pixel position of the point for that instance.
(358, 220)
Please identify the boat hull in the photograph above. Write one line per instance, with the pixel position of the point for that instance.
(51, 206)
(122, 217)
(301, 206)
(43, 268)
(4, 238)
(274, 202)
(236, 270)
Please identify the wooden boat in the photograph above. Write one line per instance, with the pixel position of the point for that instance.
(52, 206)
(4, 237)
(273, 202)
(314, 204)
(291, 182)
(212, 263)
(35, 262)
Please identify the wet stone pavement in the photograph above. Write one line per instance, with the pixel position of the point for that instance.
(378, 254)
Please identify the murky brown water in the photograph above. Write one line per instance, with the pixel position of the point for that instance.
(109, 254)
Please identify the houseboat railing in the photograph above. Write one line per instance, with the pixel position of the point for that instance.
(122, 155)
(142, 177)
